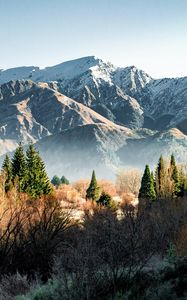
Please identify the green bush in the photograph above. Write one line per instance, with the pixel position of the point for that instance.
(51, 291)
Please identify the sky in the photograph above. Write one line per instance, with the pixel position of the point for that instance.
(150, 34)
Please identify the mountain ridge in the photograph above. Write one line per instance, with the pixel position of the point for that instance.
(92, 98)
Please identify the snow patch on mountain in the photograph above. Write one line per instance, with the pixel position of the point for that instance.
(131, 80)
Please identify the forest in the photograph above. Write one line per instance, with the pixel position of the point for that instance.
(92, 239)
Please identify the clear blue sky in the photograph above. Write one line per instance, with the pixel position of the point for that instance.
(151, 34)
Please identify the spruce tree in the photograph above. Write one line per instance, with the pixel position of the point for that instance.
(182, 184)
(45, 184)
(7, 172)
(19, 169)
(147, 190)
(38, 182)
(174, 176)
(160, 178)
(64, 180)
(56, 180)
(93, 191)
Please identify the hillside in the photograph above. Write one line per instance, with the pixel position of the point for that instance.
(111, 116)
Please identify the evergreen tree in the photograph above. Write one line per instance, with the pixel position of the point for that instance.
(64, 180)
(7, 171)
(93, 190)
(45, 184)
(182, 184)
(38, 182)
(174, 176)
(147, 190)
(56, 180)
(160, 178)
(105, 199)
(19, 169)
(153, 178)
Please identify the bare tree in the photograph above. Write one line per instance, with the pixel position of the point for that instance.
(81, 186)
(128, 181)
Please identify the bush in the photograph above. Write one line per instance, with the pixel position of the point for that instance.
(105, 200)
(81, 186)
(30, 235)
(53, 290)
(13, 285)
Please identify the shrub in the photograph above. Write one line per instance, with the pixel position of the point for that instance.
(53, 290)
(105, 200)
(81, 186)
(13, 285)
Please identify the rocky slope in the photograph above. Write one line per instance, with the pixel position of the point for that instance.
(165, 103)
(90, 113)
(127, 96)
(148, 147)
(31, 111)
(93, 83)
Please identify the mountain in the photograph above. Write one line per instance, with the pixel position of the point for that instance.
(126, 96)
(148, 147)
(111, 116)
(66, 70)
(165, 103)
(31, 111)
(89, 81)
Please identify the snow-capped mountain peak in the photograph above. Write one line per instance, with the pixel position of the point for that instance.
(70, 69)
(65, 70)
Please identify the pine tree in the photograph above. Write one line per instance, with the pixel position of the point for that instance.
(38, 182)
(182, 184)
(56, 180)
(32, 166)
(64, 180)
(19, 169)
(45, 184)
(93, 191)
(7, 171)
(153, 178)
(174, 176)
(160, 178)
(147, 190)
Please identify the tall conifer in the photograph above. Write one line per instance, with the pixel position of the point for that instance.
(147, 190)
(160, 178)
(19, 169)
(7, 172)
(38, 182)
(174, 176)
(93, 191)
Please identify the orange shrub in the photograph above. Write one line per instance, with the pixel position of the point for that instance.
(67, 195)
(107, 186)
(81, 186)
(127, 198)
